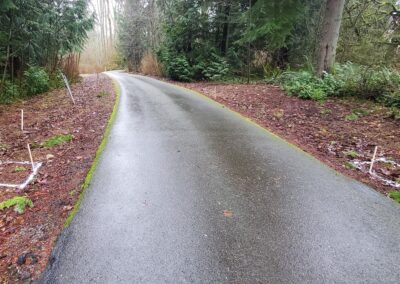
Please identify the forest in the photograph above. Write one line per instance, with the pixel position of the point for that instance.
(37, 40)
(191, 40)
(268, 40)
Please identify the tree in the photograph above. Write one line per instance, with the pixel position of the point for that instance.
(329, 36)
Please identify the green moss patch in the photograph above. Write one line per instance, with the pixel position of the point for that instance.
(395, 195)
(20, 202)
(57, 140)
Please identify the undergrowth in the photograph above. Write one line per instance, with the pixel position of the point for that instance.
(379, 84)
(20, 203)
(395, 195)
(57, 140)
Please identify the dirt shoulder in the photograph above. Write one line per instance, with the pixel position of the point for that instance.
(65, 137)
(342, 133)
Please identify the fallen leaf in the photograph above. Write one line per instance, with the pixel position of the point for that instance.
(228, 213)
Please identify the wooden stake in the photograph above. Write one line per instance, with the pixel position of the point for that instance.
(30, 156)
(373, 160)
(22, 120)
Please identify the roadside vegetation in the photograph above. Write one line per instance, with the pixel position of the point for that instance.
(38, 39)
(272, 41)
(18, 202)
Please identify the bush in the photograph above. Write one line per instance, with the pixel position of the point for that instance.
(214, 69)
(176, 66)
(306, 86)
(8, 92)
(56, 81)
(36, 80)
(392, 99)
(365, 82)
(373, 83)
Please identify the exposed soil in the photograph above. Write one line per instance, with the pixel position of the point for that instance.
(327, 130)
(11, 173)
(26, 240)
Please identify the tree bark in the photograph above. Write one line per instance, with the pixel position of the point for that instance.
(329, 36)
(225, 30)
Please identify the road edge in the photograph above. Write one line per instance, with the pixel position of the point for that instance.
(276, 136)
(93, 167)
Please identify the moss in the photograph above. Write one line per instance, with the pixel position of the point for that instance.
(351, 154)
(351, 117)
(20, 202)
(3, 146)
(19, 169)
(349, 166)
(395, 195)
(100, 150)
(57, 140)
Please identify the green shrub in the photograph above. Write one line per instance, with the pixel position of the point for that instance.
(178, 68)
(365, 82)
(56, 81)
(306, 86)
(374, 83)
(36, 80)
(214, 69)
(394, 113)
(391, 99)
(8, 92)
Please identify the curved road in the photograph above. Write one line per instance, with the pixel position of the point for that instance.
(188, 192)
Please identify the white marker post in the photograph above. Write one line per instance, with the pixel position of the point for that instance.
(68, 88)
(30, 157)
(373, 160)
(22, 120)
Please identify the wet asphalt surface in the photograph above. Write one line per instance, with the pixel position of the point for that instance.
(188, 192)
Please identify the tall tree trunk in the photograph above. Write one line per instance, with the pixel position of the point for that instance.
(329, 36)
(7, 56)
(225, 30)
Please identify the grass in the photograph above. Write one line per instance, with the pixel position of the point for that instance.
(20, 202)
(57, 140)
(100, 150)
(395, 195)
(351, 154)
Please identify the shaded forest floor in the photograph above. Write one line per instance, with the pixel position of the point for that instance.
(342, 133)
(65, 137)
